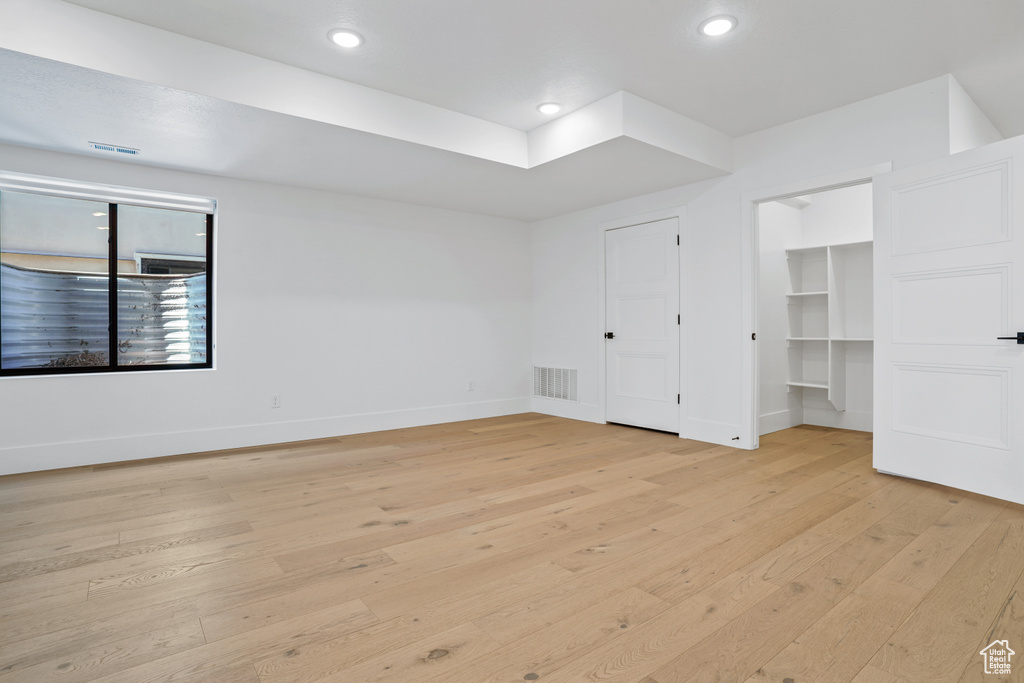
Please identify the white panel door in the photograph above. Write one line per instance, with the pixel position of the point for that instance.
(642, 321)
(949, 260)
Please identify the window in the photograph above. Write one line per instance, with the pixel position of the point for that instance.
(158, 264)
(97, 278)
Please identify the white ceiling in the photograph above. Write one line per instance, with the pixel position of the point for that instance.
(496, 61)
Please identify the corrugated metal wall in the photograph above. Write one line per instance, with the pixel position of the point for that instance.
(60, 319)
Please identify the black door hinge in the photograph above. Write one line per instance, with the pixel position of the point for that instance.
(677, 399)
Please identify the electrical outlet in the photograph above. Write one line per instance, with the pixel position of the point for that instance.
(275, 400)
(470, 385)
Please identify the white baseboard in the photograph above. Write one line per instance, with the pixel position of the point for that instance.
(773, 422)
(713, 432)
(848, 419)
(586, 412)
(49, 456)
(897, 474)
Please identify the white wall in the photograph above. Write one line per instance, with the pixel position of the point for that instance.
(837, 216)
(969, 127)
(568, 293)
(362, 314)
(779, 228)
(904, 127)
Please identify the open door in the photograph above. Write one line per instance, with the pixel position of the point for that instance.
(642, 319)
(949, 303)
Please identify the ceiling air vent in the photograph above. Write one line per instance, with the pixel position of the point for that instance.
(556, 383)
(120, 149)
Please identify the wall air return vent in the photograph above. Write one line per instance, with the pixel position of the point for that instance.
(120, 149)
(556, 383)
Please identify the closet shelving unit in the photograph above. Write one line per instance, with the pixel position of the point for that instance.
(829, 305)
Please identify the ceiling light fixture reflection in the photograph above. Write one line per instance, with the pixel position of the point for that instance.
(98, 213)
(549, 108)
(200, 234)
(102, 227)
(718, 26)
(344, 37)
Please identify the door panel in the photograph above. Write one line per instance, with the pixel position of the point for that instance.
(949, 396)
(641, 311)
(931, 214)
(643, 318)
(642, 376)
(976, 306)
(980, 422)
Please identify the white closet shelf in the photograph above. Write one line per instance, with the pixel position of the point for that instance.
(823, 247)
(808, 385)
(829, 310)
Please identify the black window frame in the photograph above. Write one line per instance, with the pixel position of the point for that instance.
(112, 296)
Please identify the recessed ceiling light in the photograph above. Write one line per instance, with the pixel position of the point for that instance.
(718, 26)
(549, 108)
(345, 37)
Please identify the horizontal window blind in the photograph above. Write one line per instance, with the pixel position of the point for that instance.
(57, 187)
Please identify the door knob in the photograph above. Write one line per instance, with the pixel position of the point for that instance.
(1019, 337)
(611, 335)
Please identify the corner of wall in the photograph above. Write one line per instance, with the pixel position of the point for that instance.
(969, 126)
(585, 412)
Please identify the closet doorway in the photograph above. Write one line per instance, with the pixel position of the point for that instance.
(814, 309)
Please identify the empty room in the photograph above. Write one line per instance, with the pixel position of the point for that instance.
(465, 342)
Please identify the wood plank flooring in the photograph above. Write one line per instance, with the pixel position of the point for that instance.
(518, 548)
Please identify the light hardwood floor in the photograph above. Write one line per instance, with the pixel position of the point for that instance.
(518, 548)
